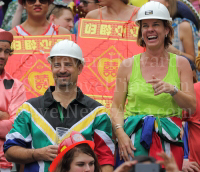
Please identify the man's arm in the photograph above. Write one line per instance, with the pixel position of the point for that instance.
(16, 20)
(18, 144)
(23, 155)
(187, 40)
(4, 115)
(18, 97)
(104, 146)
(4, 118)
(5, 126)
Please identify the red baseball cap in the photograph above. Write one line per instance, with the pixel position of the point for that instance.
(20, 1)
(69, 143)
(6, 36)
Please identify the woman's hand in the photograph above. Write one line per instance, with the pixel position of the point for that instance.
(125, 167)
(125, 145)
(168, 162)
(189, 166)
(160, 86)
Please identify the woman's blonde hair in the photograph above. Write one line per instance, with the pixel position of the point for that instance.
(57, 10)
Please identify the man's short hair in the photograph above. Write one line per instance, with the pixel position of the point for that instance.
(57, 10)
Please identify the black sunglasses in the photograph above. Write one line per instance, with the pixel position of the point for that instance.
(85, 2)
(34, 1)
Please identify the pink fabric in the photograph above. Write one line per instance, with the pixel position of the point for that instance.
(194, 128)
(10, 100)
(5, 35)
(196, 5)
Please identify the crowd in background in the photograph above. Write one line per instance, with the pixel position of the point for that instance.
(182, 39)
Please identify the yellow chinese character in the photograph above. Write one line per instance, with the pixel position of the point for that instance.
(90, 29)
(118, 30)
(30, 45)
(58, 40)
(41, 81)
(134, 31)
(110, 68)
(105, 29)
(16, 45)
(46, 44)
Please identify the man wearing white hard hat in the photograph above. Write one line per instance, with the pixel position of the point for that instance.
(12, 95)
(62, 105)
(158, 85)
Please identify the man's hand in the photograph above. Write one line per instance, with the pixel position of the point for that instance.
(23, 155)
(189, 166)
(4, 116)
(46, 154)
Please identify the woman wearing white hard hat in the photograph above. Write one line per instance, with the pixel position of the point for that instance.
(157, 85)
(186, 23)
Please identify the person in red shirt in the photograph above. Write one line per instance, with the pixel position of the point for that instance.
(193, 134)
(12, 96)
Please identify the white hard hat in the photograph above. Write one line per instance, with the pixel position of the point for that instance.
(153, 10)
(66, 48)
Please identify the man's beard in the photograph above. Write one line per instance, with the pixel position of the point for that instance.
(63, 83)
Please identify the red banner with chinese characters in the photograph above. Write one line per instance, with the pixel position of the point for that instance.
(105, 45)
(28, 63)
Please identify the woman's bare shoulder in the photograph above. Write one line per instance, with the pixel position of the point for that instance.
(185, 26)
(13, 32)
(63, 31)
(182, 63)
(94, 14)
(127, 64)
(132, 7)
(125, 68)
